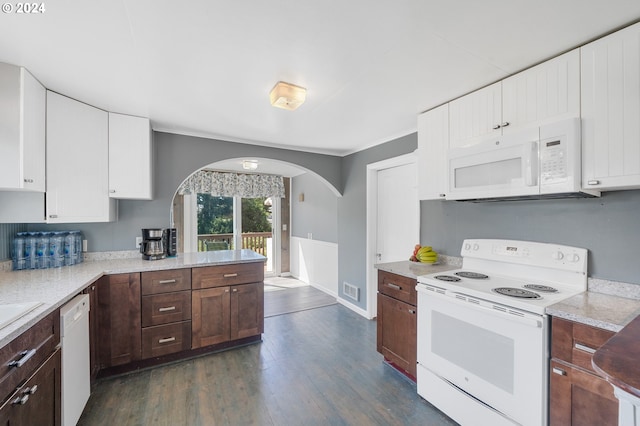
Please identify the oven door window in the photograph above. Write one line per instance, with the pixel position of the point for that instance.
(497, 357)
(484, 353)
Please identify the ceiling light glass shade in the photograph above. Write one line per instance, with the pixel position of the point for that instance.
(287, 95)
(249, 164)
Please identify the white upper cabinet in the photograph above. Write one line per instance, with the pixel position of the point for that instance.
(433, 141)
(539, 95)
(542, 94)
(22, 130)
(476, 116)
(611, 111)
(130, 157)
(77, 162)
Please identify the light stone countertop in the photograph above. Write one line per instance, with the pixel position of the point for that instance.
(54, 287)
(597, 309)
(415, 269)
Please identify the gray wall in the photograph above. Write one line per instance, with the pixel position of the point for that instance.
(318, 213)
(609, 227)
(177, 156)
(352, 211)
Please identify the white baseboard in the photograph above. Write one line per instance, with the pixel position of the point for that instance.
(354, 308)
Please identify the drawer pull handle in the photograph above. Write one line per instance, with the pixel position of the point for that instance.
(412, 311)
(584, 348)
(168, 308)
(395, 286)
(230, 275)
(166, 281)
(24, 357)
(559, 371)
(235, 290)
(593, 182)
(30, 391)
(167, 340)
(21, 400)
(28, 180)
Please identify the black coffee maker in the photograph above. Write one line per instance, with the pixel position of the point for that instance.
(153, 244)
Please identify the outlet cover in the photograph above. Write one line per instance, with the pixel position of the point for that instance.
(138, 242)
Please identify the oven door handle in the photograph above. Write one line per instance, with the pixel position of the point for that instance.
(513, 315)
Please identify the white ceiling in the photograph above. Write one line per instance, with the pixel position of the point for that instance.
(205, 67)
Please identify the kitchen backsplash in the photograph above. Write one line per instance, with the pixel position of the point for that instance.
(7, 232)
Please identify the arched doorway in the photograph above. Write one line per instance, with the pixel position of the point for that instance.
(229, 220)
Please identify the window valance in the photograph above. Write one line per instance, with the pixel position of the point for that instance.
(226, 184)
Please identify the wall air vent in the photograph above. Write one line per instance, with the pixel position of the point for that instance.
(351, 291)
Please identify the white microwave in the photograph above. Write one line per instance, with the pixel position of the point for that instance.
(542, 162)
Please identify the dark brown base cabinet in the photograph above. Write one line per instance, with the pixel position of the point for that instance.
(30, 390)
(228, 304)
(577, 395)
(397, 321)
(119, 332)
(149, 318)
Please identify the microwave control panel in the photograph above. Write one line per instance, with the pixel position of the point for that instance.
(553, 161)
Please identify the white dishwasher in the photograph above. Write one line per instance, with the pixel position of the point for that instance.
(74, 334)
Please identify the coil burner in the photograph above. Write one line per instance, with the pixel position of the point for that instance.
(472, 275)
(516, 292)
(448, 278)
(541, 288)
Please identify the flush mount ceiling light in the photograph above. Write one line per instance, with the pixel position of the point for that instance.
(287, 95)
(249, 164)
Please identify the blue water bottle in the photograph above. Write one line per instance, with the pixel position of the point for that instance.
(17, 255)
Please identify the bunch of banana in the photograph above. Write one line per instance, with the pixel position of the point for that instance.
(424, 254)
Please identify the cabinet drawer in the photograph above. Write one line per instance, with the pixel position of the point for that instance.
(166, 339)
(575, 343)
(166, 281)
(165, 308)
(27, 352)
(224, 275)
(397, 286)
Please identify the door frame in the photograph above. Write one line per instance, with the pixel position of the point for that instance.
(372, 225)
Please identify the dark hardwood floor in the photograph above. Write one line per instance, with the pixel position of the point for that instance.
(314, 367)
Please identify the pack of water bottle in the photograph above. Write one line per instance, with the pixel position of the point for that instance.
(42, 250)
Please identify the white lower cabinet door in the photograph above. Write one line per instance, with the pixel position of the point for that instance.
(77, 162)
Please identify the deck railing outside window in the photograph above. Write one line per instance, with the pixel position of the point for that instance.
(256, 241)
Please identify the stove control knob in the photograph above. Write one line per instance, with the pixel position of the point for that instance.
(467, 246)
(476, 247)
(558, 255)
(574, 258)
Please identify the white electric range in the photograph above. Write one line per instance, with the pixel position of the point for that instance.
(483, 336)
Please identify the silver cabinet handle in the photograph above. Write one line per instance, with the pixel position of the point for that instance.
(235, 290)
(226, 290)
(20, 400)
(593, 182)
(585, 348)
(559, 371)
(25, 356)
(167, 340)
(30, 391)
(112, 191)
(53, 216)
(394, 286)
(28, 180)
(442, 195)
(168, 308)
(166, 281)
(230, 275)
(496, 127)
(505, 124)
(412, 311)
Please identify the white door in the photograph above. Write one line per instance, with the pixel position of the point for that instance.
(397, 212)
